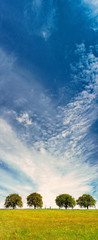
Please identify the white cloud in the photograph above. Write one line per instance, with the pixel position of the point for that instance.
(24, 119)
(43, 169)
(92, 6)
(92, 2)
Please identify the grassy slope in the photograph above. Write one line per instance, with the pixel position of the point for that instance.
(48, 224)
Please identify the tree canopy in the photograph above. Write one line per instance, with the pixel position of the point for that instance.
(86, 201)
(34, 199)
(65, 200)
(13, 200)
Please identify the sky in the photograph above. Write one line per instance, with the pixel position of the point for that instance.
(48, 98)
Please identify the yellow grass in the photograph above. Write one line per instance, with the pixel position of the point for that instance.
(46, 224)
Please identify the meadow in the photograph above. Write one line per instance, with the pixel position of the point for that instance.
(48, 224)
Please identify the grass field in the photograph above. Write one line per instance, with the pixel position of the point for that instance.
(27, 224)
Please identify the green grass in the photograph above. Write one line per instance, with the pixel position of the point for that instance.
(27, 224)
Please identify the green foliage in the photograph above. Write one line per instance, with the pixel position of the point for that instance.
(86, 201)
(65, 200)
(35, 199)
(13, 200)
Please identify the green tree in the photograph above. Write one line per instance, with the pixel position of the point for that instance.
(13, 200)
(86, 201)
(35, 199)
(65, 200)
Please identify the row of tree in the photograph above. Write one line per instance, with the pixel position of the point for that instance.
(63, 200)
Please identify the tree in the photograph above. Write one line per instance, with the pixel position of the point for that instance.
(86, 201)
(35, 199)
(65, 200)
(13, 200)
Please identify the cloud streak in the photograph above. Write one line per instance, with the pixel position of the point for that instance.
(41, 17)
(58, 161)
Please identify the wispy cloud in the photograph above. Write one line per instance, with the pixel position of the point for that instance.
(93, 3)
(50, 146)
(92, 8)
(41, 17)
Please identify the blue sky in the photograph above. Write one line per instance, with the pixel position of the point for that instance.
(48, 98)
